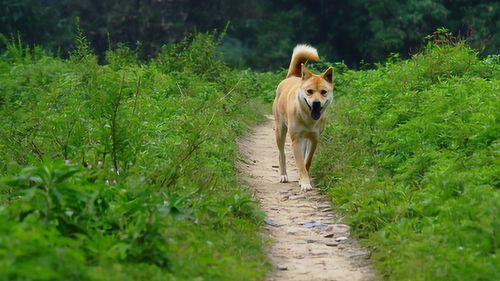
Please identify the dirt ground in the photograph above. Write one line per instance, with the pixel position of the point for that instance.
(309, 240)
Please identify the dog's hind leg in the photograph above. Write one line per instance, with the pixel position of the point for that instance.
(281, 131)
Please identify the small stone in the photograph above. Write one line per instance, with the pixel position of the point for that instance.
(317, 214)
(314, 224)
(281, 267)
(323, 206)
(311, 241)
(341, 238)
(332, 244)
(297, 197)
(275, 166)
(330, 235)
(338, 228)
(357, 254)
(318, 252)
(271, 223)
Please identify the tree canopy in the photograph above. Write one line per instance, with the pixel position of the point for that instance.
(260, 34)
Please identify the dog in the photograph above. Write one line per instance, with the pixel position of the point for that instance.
(299, 109)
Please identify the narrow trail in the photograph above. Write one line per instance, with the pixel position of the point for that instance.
(308, 240)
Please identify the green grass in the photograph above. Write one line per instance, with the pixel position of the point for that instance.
(126, 171)
(411, 154)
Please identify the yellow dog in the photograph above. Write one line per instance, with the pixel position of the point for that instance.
(299, 108)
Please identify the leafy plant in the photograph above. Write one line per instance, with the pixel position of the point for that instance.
(126, 171)
(411, 155)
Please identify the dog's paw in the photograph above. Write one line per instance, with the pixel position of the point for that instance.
(306, 186)
(283, 178)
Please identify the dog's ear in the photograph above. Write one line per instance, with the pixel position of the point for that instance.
(328, 75)
(306, 74)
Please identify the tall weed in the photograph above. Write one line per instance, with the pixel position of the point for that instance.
(411, 155)
(126, 171)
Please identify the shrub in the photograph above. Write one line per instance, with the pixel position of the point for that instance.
(126, 171)
(411, 156)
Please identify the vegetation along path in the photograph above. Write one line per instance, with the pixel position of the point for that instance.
(308, 240)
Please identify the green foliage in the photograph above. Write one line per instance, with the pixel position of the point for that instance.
(126, 171)
(39, 23)
(356, 30)
(260, 34)
(411, 155)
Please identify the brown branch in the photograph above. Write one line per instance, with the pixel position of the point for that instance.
(113, 125)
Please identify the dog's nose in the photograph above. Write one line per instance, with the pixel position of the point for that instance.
(316, 110)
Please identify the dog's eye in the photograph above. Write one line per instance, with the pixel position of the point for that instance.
(310, 91)
(323, 92)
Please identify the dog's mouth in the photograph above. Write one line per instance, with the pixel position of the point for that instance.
(315, 109)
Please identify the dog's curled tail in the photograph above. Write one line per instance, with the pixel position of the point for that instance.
(301, 54)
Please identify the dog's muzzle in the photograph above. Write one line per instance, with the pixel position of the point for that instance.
(315, 109)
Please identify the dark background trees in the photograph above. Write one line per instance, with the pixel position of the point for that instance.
(260, 33)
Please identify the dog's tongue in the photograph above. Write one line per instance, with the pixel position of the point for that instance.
(316, 110)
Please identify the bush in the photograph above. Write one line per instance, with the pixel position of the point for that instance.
(126, 171)
(411, 154)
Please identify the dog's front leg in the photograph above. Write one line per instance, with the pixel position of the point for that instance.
(304, 180)
(314, 143)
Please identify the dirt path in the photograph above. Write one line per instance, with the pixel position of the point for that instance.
(309, 242)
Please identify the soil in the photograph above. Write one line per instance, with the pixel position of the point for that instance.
(308, 239)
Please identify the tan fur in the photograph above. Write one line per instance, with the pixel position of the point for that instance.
(301, 54)
(293, 107)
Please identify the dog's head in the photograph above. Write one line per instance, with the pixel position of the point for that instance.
(316, 91)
